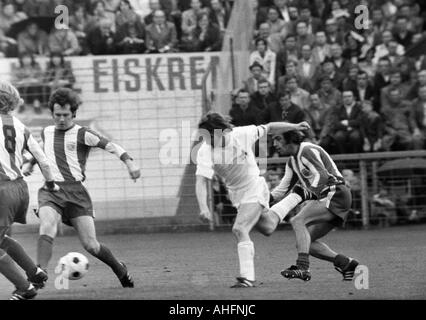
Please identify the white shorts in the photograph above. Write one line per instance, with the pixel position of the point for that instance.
(256, 192)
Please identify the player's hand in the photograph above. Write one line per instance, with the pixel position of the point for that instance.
(303, 126)
(51, 186)
(205, 216)
(134, 171)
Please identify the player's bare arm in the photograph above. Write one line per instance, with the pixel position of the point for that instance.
(201, 192)
(132, 167)
(281, 127)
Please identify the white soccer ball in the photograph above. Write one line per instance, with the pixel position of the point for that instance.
(74, 265)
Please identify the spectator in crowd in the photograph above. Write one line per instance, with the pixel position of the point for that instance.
(420, 82)
(98, 14)
(314, 24)
(307, 66)
(39, 8)
(332, 32)
(372, 127)
(291, 71)
(395, 80)
(340, 63)
(330, 96)
(189, 20)
(130, 35)
(381, 80)
(111, 7)
(350, 82)
(382, 49)
(101, 39)
(328, 69)
(243, 112)
(298, 96)
(219, 15)
(273, 179)
(8, 46)
(302, 35)
(401, 33)
(363, 90)
(287, 53)
(126, 13)
(251, 85)
(283, 9)
(58, 73)
(347, 125)
(266, 58)
(401, 131)
(285, 110)
(318, 116)
(64, 41)
(161, 35)
(79, 23)
(153, 6)
(321, 49)
(277, 25)
(9, 16)
(274, 40)
(419, 113)
(33, 41)
(27, 78)
(206, 36)
(263, 97)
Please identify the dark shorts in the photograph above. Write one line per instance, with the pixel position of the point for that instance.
(14, 200)
(338, 200)
(71, 201)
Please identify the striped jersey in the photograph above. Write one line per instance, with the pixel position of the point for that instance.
(234, 163)
(15, 138)
(68, 150)
(313, 168)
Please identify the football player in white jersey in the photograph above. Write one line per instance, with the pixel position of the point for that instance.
(67, 146)
(15, 138)
(227, 151)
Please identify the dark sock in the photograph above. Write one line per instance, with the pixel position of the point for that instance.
(303, 261)
(341, 261)
(108, 258)
(44, 251)
(9, 269)
(18, 254)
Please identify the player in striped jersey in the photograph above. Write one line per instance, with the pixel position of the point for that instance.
(227, 151)
(15, 138)
(67, 146)
(311, 167)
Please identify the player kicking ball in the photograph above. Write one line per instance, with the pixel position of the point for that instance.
(319, 181)
(67, 146)
(14, 197)
(227, 151)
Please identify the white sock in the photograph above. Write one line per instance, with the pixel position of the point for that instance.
(287, 204)
(246, 257)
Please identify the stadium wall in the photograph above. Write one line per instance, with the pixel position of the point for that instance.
(146, 103)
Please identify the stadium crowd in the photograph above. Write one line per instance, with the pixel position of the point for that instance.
(363, 89)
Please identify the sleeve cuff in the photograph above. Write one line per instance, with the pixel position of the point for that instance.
(125, 156)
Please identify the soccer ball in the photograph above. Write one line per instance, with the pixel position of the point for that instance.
(74, 265)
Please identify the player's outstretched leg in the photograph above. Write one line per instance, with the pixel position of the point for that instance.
(85, 227)
(49, 219)
(247, 217)
(35, 274)
(345, 265)
(24, 289)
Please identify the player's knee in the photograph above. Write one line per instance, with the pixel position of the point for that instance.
(296, 221)
(49, 228)
(239, 231)
(91, 245)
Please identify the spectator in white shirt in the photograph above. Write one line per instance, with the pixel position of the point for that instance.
(266, 58)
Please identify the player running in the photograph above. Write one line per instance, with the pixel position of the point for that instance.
(311, 167)
(67, 146)
(227, 151)
(15, 138)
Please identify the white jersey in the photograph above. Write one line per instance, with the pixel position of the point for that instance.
(235, 163)
(14, 139)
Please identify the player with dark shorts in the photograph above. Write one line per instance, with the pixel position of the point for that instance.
(328, 201)
(67, 146)
(15, 139)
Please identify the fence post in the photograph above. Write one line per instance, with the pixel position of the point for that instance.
(210, 201)
(364, 194)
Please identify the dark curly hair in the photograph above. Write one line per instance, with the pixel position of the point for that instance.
(63, 96)
(214, 120)
(295, 137)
